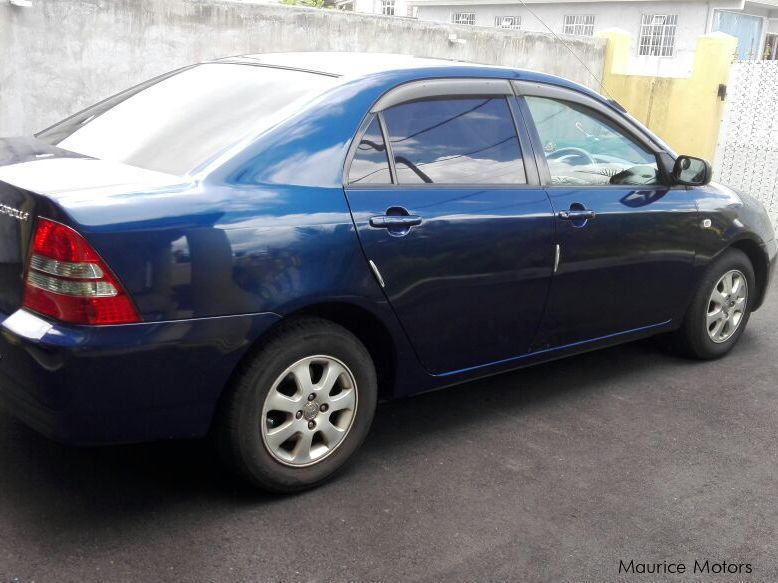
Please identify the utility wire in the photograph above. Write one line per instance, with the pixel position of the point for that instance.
(569, 48)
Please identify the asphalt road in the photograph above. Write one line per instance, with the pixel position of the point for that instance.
(553, 473)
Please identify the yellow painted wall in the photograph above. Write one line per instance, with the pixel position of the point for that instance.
(685, 112)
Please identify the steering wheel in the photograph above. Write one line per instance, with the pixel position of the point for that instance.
(572, 151)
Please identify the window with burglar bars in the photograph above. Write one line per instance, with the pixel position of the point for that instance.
(580, 25)
(463, 18)
(512, 22)
(387, 7)
(657, 35)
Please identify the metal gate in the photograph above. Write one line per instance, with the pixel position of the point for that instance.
(747, 150)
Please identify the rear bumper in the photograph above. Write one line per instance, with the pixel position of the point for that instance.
(120, 384)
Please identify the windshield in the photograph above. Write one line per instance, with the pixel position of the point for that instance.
(177, 123)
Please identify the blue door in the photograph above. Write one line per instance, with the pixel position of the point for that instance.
(625, 250)
(460, 237)
(747, 29)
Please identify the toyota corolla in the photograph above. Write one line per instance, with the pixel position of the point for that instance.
(261, 248)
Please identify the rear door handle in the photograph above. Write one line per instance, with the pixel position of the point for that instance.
(576, 215)
(395, 221)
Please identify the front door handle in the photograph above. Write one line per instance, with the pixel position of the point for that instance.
(395, 221)
(576, 215)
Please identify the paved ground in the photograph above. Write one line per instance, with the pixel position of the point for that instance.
(548, 474)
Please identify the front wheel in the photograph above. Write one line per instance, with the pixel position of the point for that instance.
(300, 408)
(719, 312)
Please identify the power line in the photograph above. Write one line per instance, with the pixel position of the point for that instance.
(569, 48)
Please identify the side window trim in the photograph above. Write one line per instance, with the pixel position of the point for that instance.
(544, 173)
(528, 89)
(523, 126)
(532, 89)
(352, 152)
(459, 88)
(424, 89)
(388, 146)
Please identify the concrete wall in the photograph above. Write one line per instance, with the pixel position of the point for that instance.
(686, 112)
(693, 21)
(60, 56)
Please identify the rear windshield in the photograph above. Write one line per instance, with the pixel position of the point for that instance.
(176, 124)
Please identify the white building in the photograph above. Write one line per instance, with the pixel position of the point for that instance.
(384, 7)
(665, 32)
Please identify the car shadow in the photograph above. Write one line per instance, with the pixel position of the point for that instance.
(518, 392)
(96, 487)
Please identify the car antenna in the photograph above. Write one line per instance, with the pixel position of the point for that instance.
(569, 48)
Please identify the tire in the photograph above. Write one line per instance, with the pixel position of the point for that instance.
(268, 401)
(694, 338)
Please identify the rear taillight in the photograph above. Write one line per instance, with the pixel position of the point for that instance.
(67, 280)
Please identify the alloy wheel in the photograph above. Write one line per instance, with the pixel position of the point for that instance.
(309, 410)
(726, 306)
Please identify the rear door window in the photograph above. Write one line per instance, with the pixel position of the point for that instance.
(455, 141)
(371, 163)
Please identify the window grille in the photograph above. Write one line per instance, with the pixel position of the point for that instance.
(511, 22)
(657, 35)
(579, 24)
(463, 18)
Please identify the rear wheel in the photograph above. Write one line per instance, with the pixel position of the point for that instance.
(720, 309)
(301, 407)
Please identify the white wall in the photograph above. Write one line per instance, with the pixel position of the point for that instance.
(693, 21)
(60, 56)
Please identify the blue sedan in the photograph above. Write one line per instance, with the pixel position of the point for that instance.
(260, 248)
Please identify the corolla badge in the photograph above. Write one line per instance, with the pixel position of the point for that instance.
(14, 213)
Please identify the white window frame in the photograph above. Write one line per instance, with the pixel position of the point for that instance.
(387, 7)
(578, 24)
(657, 35)
(466, 18)
(508, 22)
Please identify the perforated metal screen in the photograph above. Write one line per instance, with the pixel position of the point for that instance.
(747, 152)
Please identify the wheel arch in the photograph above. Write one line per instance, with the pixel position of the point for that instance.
(368, 328)
(758, 258)
(364, 324)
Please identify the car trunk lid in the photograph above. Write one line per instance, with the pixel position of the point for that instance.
(17, 209)
(39, 180)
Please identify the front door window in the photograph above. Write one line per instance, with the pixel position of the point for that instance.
(584, 149)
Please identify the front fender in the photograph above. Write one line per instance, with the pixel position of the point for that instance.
(732, 219)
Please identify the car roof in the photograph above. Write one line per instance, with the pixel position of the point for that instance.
(364, 77)
(346, 64)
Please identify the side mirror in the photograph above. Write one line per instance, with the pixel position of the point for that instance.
(691, 171)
